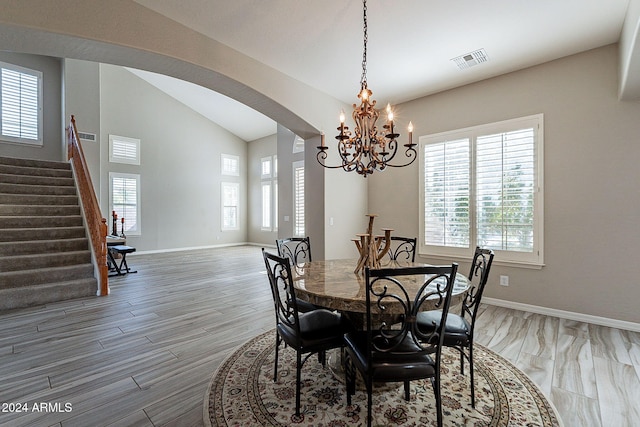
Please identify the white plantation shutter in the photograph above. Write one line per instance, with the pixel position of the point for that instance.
(505, 180)
(125, 200)
(266, 167)
(124, 150)
(275, 203)
(230, 164)
(230, 205)
(298, 199)
(482, 186)
(446, 194)
(266, 205)
(21, 93)
(268, 174)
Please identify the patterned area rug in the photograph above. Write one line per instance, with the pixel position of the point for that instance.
(242, 393)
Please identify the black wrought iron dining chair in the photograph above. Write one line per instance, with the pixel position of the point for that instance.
(298, 250)
(402, 249)
(458, 332)
(398, 350)
(307, 333)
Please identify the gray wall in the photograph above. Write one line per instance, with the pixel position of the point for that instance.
(53, 131)
(180, 164)
(592, 200)
(82, 100)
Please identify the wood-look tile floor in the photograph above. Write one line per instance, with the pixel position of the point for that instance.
(144, 355)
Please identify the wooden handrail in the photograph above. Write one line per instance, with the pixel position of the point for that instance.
(95, 221)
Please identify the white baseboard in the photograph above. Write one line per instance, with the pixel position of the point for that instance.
(225, 245)
(569, 315)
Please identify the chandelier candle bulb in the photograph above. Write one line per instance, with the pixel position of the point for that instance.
(410, 129)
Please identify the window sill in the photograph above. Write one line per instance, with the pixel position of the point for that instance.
(505, 263)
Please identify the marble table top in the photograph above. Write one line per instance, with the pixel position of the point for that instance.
(333, 284)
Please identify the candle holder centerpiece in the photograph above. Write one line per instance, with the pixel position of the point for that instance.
(370, 246)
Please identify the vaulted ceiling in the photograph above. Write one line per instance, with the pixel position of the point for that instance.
(412, 44)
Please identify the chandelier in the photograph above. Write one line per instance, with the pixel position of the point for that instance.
(368, 148)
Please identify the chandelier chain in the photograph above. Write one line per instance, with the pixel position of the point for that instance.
(363, 79)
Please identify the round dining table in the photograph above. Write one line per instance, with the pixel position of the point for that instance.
(333, 284)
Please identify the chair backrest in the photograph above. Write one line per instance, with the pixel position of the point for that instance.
(402, 249)
(395, 296)
(282, 290)
(478, 276)
(297, 249)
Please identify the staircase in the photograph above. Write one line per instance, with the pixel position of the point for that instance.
(44, 251)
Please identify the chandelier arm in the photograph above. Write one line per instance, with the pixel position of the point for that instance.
(410, 153)
(319, 157)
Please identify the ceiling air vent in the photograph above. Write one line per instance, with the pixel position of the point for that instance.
(470, 59)
(87, 136)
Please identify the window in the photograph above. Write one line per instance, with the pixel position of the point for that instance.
(124, 193)
(298, 199)
(269, 173)
(21, 104)
(266, 205)
(266, 167)
(230, 205)
(483, 186)
(124, 150)
(230, 164)
(298, 145)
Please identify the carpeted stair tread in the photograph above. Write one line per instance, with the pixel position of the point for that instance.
(37, 199)
(12, 178)
(46, 293)
(44, 260)
(7, 222)
(34, 171)
(37, 189)
(27, 234)
(38, 276)
(34, 163)
(43, 246)
(39, 210)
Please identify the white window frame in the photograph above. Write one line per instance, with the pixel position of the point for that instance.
(131, 147)
(230, 164)
(533, 259)
(268, 175)
(299, 225)
(24, 120)
(224, 205)
(266, 167)
(267, 205)
(137, 231)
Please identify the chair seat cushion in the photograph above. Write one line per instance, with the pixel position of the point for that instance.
(318, 328)
(123, 249)
(400, 365)
(457, 328)
(305, 306)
